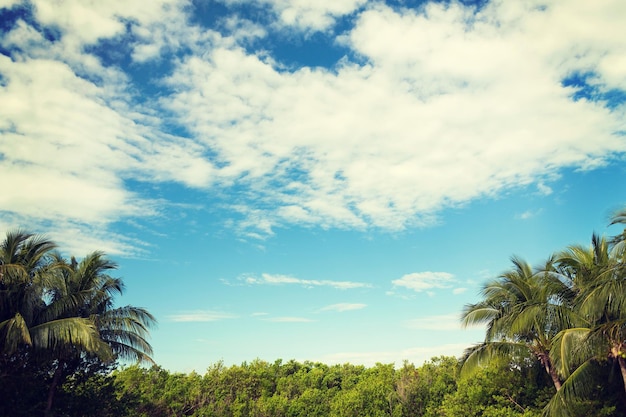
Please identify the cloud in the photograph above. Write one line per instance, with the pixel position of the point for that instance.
(430, 108)
(272, 279)
(72, 135)
(289, 320)
(200, 316)
(417, 355)
(8, 4)
(307, 15)
(525, 215)
(243, 30)
(444, 92)
(544, 189)
(441, 322)
(457, 291)
(341, 307)
(528, 214)
(423, 281)
(148, 29)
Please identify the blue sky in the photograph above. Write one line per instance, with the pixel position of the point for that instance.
(328, 180)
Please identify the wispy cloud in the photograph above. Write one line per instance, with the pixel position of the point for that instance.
(544, 189)
(200, 316)
(341, 307)
(416, 355)
(423, 281)
(441, 322)
(289, 320)
(273, 279)
(306, 15)
(528, 214)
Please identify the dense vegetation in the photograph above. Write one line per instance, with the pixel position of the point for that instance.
(568, 316)
(555, 345)
(58, 324)
(307, 389)
(263, 389)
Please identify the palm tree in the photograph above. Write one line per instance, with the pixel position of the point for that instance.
(599, 280)
(27, 273)
(523, 311)
(88, 292)
(56, 314)
(618, 242)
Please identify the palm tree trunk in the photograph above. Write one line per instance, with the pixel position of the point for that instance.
(547, 364)
(555, 377)
(622, 368)
(56, 380)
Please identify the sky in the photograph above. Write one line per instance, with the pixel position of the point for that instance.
(327, 180)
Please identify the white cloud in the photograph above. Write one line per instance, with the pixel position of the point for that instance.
(243, 30)
(417, 355)
(341, 307)
(157, 25)
(457, 291)
(525, 215)
(274, 279)
(200, 316)
(528, 214)
(441, 322)
(449, 108)
(71, 135)
(423, 281)
(544, 189)
(8, 4)
(289, 320)
(442, 106)
(63, 148)
(305, 14)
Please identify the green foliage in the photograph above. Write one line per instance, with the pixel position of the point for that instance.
(293, 389)
(22, 390)
(569, 317)
(91, 392)
(422, 390)
(60, 332)
(499, 389)
(373, 394)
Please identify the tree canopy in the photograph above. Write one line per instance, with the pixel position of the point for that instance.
(568, 315)
(58, 318)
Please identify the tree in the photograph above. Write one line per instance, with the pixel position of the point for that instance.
(422, 390)
(58, 317)
(373, 395)
(523, 312)
(498, 389)
(27, 273)
(86, 291)
(618, 242)
(599, 280)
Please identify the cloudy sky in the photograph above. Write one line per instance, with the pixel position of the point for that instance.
(322, 180)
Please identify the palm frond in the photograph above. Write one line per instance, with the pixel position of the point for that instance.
(478, 314)
(576, 386)
(569, 349)
(132, 352)
(16, 333)
(482, 354)
(73, 331)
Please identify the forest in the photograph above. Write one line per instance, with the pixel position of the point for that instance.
(555, 345)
